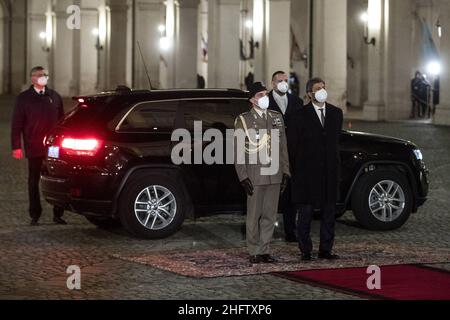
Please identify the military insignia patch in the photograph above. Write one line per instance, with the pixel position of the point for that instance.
(277, 122)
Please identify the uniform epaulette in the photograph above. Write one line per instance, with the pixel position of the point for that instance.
(242, 115)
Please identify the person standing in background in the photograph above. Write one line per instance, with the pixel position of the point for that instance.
(288, 105)
(37, 111)
(436, 99)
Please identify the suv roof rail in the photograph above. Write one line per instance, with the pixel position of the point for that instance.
(122, 89)
(200, 89)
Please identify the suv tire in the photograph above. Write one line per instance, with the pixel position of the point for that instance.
(378, 210)
(152, 206)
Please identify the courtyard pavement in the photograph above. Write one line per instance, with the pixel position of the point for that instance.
(33, 260)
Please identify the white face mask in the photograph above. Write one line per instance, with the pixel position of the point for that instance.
(321, 95)
(264, 102)
(283, 87)
(42, 81)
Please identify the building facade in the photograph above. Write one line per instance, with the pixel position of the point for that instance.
(366, 50)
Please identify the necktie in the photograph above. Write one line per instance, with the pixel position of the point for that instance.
(264, 116)
(41, 93)
(322, 117)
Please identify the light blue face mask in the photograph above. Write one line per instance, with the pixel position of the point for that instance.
(264, 102)
(283, 87)
(321, 95)
(42, 81)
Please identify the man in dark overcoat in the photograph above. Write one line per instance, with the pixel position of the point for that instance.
(282, 101)
(313, 144)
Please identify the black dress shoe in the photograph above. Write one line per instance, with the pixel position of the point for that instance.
(290, 238)
(267, 258)
(59, 221)
(306, 256)
(255, 259)
(34, 222)
(328, 256)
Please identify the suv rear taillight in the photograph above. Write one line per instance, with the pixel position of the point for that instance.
(80, 146)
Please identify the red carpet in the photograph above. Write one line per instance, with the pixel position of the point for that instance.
(399, 282)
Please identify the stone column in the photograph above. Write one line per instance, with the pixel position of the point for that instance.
(4, 46)
(399, 59)
(259, 36)
(101, 45)
(330, 48)
(148, 17)
(442, 116)
(390, 60)
(18, 46)
(278, 32)
(300, 22)
(39, 43)
(186, 44)
(357, 54)
(75, 56)
(88, 50)
(374, 108)
(63, 58)
(117, 43)
(202, 40)
(272, 31)
(223, 43)
(167, 61)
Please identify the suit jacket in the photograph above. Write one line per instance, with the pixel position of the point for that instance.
(314, 155)
(34, 116)
(294, 105)
(254, 123)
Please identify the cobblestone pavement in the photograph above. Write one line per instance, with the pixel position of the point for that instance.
(33, 260)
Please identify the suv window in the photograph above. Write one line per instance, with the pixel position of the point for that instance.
(240, 106)
(219, 114)
(86, 113)
(152, 117)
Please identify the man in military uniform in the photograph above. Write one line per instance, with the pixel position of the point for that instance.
(265, 171)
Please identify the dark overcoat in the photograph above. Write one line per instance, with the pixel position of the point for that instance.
(314, 155)
(294, 105)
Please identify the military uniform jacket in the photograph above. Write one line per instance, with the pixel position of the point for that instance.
(259, 139)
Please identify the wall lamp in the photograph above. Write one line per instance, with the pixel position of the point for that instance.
(365, 19)
(439, 28)
(43, 36)
(372, 41)
(96, 33)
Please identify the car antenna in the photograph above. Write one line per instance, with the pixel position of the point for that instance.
(145, 66)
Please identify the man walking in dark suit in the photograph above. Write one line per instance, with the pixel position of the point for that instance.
(313, 144)
(37, 111)
(288, 105)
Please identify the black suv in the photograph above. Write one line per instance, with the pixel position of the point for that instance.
(109, 159)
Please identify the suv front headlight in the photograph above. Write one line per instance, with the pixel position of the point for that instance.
(418, 154)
